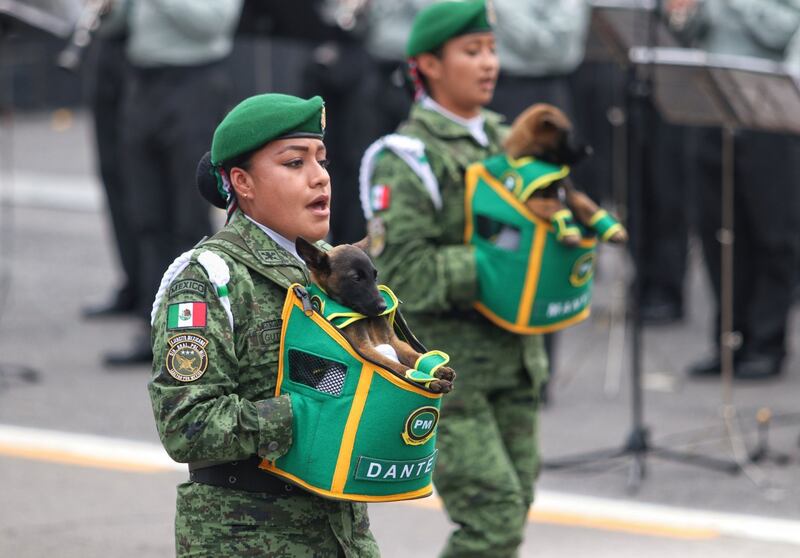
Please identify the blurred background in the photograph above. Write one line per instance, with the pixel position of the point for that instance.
(690, 463)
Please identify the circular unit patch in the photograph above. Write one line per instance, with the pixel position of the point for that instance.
(420, 426)
(582, 270)
(187, 359)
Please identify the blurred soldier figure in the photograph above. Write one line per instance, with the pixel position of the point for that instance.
(540, 43)
(414, 199)
(109, 86)
(338, 70)
(177, 93)
(389, 23)
(765, 176)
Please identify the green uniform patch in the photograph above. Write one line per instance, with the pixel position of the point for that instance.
(187, 359)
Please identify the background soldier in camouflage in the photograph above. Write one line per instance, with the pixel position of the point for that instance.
(215, 372)
(487, 435)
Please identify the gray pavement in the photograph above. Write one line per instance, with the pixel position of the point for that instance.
(56, 255)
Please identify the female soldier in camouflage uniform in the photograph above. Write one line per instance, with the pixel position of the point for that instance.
(216, 335)
(413, 196)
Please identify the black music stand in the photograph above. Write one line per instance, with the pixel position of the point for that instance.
(733, 93)
(630, 31)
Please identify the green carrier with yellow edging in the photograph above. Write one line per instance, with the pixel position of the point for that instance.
(528, 281)
(360, 432)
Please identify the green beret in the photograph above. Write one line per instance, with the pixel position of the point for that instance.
(440, 22)
(263, 118)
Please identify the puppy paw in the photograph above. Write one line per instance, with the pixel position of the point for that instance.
(440, 386)
(570, 240)
(445, 373)
(619, 237)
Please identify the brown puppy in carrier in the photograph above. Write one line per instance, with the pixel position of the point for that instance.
(543, 133)
(346, 275)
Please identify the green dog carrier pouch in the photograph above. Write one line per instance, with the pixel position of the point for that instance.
(360, 432)
(528, 281)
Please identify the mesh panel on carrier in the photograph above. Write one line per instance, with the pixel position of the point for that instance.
(319, 373)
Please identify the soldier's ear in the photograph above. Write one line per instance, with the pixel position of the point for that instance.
(315, 259)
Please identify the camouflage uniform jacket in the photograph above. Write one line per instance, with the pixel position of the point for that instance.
(427, 263)
(230, 411)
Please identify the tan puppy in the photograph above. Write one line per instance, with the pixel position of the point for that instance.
(544, 132)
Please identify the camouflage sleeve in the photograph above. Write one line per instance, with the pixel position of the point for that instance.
(194, 388)
(428, 273)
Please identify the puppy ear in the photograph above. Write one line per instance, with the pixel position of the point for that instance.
(554, 118)
(363, 244)
(315, 259)
(522, 139)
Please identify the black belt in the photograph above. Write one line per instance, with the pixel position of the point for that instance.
(243, 475)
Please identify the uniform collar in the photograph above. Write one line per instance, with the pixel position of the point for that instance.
(264, 247)
(442, 126)
(279, 239)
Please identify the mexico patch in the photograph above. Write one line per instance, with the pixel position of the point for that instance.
(380, 197)
(186, 315)
(187, 359)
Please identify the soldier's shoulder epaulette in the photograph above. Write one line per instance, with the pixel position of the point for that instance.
(215, 268)
(412, 152)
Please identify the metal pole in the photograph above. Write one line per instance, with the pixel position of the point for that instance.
(728, 340)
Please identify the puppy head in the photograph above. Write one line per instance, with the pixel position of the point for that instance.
(544, 131)
(346, 273)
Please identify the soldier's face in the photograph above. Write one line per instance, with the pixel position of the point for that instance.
(463, 78)
(287, 188)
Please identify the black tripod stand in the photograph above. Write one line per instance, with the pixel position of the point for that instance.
(639, 103)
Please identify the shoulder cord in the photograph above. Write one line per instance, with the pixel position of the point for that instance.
(218, 274)
(412, 152)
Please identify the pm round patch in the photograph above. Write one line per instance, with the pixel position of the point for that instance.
(582, 270)
(512, 181)
(420, 426)
(187, 359)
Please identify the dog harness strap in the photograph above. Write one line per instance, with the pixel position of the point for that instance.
(341, 316)
(564, 223)
(431, 361)
(426, 365)
(604, 224)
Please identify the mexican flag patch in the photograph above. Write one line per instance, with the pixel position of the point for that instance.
(380, 197)
(186, 315)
